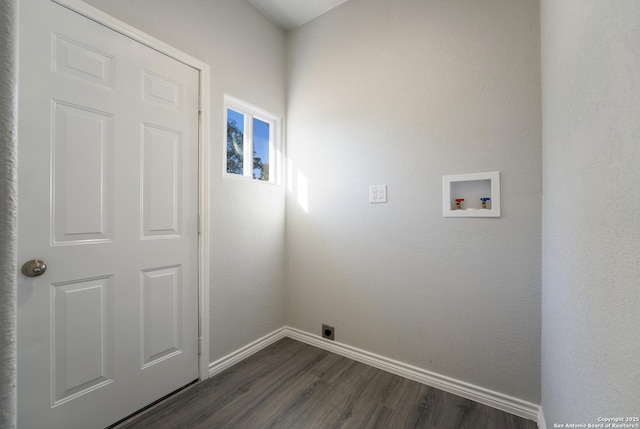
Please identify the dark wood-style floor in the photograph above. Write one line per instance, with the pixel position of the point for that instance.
(294, 385)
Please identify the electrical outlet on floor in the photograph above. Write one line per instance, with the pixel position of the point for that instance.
(328, 332)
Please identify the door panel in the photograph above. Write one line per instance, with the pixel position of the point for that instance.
(162, 90)
(161, 187)
(82, 165)
(81, 61)
(161, 311)
(108, 191)
(82, 337)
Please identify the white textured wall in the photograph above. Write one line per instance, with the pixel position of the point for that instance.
(402, 93)
(246, 55)
(8, 207)
(591, 216)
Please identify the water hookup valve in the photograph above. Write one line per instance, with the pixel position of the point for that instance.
(458, 203)
(484, 202)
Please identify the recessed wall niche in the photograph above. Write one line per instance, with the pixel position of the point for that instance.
(471, 195)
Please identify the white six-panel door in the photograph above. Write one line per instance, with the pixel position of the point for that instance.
(108, 199)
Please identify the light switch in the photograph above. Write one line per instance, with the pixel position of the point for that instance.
(378, 193)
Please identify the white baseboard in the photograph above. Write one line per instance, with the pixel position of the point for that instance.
(542, 423)
(484, 396)
(233, 358)
(509, 404)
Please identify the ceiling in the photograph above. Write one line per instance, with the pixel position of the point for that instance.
(290, 14)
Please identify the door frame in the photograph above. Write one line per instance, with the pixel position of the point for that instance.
(204, 120)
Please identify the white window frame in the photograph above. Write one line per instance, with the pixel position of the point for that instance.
(275, 141)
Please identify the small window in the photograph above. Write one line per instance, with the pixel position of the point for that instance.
(252, 149)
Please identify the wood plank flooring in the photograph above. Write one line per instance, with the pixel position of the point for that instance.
(294, 385)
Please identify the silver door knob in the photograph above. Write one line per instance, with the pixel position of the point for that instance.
(34, 268)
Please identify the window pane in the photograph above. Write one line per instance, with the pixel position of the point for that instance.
(235, 141)
(260, 149)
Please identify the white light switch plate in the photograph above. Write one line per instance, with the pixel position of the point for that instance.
(378, 193)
